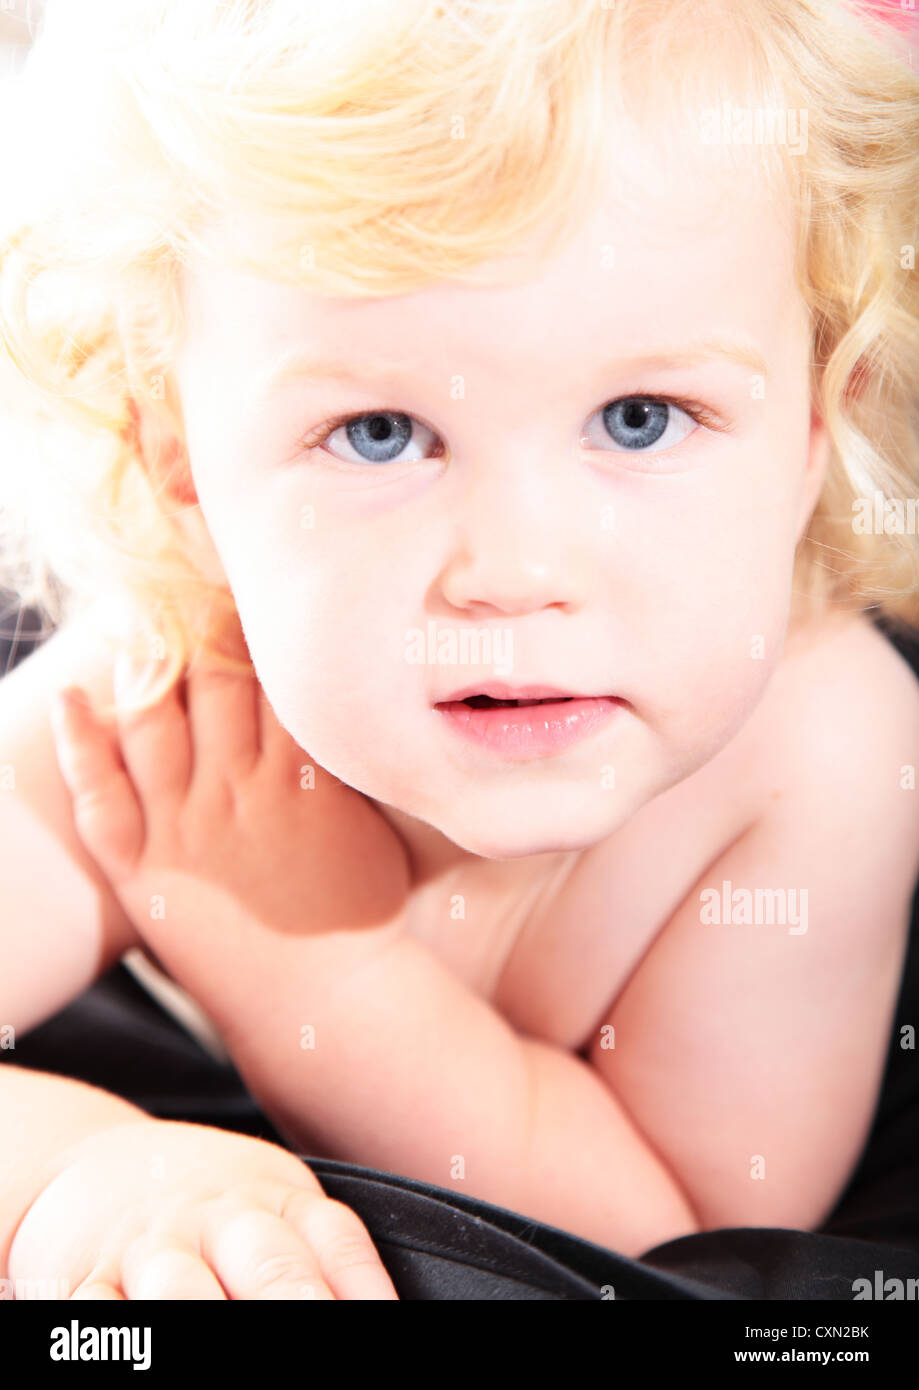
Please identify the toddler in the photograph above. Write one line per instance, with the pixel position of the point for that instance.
(463, 416)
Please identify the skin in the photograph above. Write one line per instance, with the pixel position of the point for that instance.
(682, 610)
(500, 526)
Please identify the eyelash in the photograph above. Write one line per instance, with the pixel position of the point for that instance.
(696, 411)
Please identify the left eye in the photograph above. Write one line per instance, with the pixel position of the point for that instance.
(644, 424)
(639, 423)
(381, 438)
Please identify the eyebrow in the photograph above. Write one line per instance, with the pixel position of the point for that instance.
(315, 365)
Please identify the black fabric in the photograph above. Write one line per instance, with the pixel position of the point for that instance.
(22, 629)
(437, 1244)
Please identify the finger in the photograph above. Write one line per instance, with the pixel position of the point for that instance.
(164, 1267)
(223, 719)
(276, 744)
(106, 809)
(97, 1289)
(258, 1256)
(155, 743)
(348, 1258)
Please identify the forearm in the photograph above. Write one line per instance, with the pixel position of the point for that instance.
(407, 1070)
(383, 1058)
(589, 1168)
(41, 1116)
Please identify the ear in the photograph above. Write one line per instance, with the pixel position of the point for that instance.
(157, 437)
(818, 457)
(162, 452)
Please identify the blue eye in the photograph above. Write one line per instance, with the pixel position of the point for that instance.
(381, 437)
(636, 423)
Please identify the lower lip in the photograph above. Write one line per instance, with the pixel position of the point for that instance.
(529, 731)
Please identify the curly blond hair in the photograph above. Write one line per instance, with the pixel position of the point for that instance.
(379, 146)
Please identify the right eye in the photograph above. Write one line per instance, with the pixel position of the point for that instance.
(380, 436)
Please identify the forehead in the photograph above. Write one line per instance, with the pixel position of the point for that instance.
(678, 243)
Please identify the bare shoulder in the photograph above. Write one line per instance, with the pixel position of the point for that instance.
(78, 651)
(855, 658)
(777, 975)
(846, 715)
(76, 927)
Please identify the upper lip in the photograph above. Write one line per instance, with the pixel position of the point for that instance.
(498, 690)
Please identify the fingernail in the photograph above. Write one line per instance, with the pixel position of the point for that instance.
(64, 699)
(62, 708)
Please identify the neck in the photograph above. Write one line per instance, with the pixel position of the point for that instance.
(433, 856)
(431, 853)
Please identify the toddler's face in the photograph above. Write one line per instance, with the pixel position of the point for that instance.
(626, 551)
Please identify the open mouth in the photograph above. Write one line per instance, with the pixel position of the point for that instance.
(488, 702)
(534, 726)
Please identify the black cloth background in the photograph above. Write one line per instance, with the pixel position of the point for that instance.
(437, 1244)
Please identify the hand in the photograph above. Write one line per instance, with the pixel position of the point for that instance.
(199, 812)
(166, 1210)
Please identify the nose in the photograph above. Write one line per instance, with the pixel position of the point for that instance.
(520, 540)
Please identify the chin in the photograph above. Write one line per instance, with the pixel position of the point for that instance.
(499, 842)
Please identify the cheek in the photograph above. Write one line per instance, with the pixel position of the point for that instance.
(730, 535)
(707, 608)
(707, 573)
(700, 679)
(328, 646)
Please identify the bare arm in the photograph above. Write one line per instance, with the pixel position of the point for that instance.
(750, 1044)
(357, 1041)
(61, 926)
(409, 1071)
(42, 1116)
